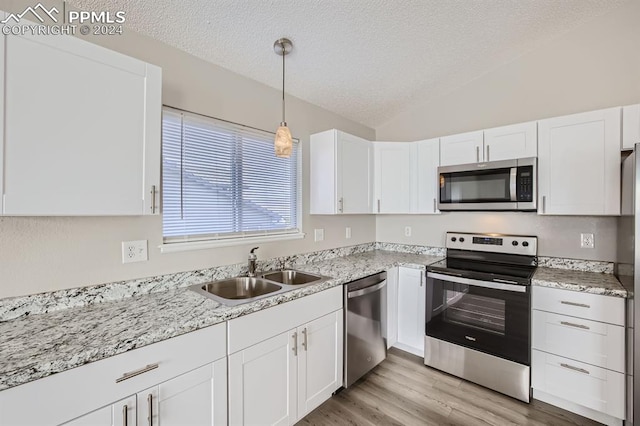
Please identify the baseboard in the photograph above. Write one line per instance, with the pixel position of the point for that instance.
(576, 408)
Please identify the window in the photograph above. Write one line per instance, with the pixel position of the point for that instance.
(222, 182)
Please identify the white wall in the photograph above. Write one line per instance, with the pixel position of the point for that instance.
(592, 67)
(44, 254)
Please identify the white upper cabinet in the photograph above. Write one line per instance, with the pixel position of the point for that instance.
(427, 186)
(579, 164)
(630, 126)
(340, 173)
(394, 177)
(461, 149)
(81, 128)
(500, 143)
(511, 142)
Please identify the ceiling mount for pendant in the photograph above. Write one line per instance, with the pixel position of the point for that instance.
(283, 143)
(282, 45)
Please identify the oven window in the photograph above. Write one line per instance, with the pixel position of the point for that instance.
(471, 310)
(476, 186)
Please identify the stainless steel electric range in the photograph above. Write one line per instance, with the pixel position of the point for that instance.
(478, 311)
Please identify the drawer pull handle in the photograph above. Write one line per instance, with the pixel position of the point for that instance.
(125, 417)
(571, 367)
(150, 408)
(580, 305)
(135, 373)
(295, 343)
(570, 324)
(304, 341)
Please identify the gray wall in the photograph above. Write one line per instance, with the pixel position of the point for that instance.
(594, 66)
(41, 254)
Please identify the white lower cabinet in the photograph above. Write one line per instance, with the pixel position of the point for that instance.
(179, 381)
(410, 310)
(121, 413)
(578, 347)
(280, 379)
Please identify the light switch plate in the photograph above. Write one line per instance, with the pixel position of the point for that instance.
(318, 234)
(347, 232)
(407, 231)
(134, 251)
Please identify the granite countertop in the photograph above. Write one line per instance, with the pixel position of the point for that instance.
(587, 282)
(37, 346)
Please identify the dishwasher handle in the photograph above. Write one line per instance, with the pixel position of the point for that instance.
(372, 288)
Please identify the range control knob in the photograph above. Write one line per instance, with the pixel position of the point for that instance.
(462, 239)
(525, 244)
(514, 243)
(453, 239)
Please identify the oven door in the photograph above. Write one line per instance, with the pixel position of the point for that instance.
(483, 315)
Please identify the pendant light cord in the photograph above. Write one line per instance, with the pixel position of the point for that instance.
(283, 55)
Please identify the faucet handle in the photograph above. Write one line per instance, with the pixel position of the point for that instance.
(254, 249)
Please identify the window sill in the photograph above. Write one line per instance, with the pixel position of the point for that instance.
(203, 245)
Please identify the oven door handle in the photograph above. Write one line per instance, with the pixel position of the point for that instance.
(478, 283)
(513, 179)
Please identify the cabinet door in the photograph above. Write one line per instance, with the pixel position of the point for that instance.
(263, 382)
(320, 361)
(630, 126)
(461, 149)
(354, 174)
(579, 164)
(411, 310)
(121, 413)
(394, 175)
(511, 142)
(196, 398)
(81, 129)
(428, 159)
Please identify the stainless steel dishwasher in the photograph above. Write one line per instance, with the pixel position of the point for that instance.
(365, 320)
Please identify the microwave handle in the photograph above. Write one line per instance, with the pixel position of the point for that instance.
(512, 183)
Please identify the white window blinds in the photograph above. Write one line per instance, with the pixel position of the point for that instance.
(223, 181)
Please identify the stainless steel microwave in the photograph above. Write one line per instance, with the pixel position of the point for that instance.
(495, 185)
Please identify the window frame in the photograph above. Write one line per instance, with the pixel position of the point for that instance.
(177, 244)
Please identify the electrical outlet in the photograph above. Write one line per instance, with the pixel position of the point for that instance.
(347, 232)
(318, 234)
(587, 241)
(134, 251)
(407, 231)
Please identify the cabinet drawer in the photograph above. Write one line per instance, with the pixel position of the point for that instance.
(582, 305)
(595, 343)
(64, 396)
(583, 384)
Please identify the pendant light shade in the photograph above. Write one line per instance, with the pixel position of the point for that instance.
(283, 141)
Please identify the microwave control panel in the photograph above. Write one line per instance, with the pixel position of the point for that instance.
(524, 183)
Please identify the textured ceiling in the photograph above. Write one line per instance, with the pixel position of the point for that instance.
(363, 59)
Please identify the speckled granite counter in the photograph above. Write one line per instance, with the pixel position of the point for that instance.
(588, 282)
(37, 346)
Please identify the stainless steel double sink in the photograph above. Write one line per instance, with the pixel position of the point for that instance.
(238, 290)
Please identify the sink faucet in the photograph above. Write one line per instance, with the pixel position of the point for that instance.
(252, 262)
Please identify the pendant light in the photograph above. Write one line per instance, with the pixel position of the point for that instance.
(283, 142)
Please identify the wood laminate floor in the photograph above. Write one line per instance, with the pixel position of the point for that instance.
(402, 391)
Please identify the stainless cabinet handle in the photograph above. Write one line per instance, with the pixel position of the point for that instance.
(378, 206)
(477, 154)
(304, 341)
(580, 305)
(295, 343)
(570, 324)
(571, 367)
(434, 205)
(487, 159)
(544, 204)
(135, 373)
(421, 275)
(125, 419)
(150, 409)
(153, 198)
(341, 206)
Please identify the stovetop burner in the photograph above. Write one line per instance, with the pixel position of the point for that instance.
(489, 257)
